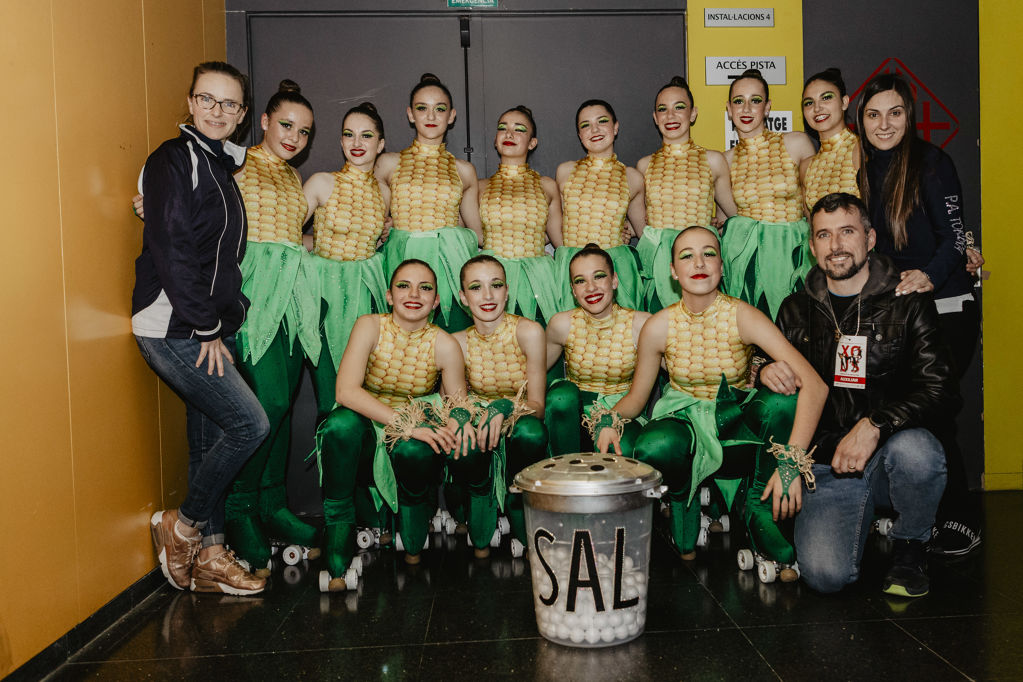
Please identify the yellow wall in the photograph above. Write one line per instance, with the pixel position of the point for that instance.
(1001, 167)
(92, 443)
(785, 38)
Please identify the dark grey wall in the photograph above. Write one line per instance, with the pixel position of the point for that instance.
(549, 55)
(935, 41)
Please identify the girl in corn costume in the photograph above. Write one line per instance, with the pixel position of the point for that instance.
(505, 366)
(387, 431)
(519, 209)
(433, 199)
(277, 279)
(835, 165)
(598, 193)
(348, 208)
(682, 183)
(705, 423)
(599, 340)
(765, 246)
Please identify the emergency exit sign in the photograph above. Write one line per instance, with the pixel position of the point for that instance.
(472, 3)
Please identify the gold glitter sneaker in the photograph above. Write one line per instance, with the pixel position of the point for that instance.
(175, 551)
(224, 573)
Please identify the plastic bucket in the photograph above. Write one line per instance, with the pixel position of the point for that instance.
(589, 519)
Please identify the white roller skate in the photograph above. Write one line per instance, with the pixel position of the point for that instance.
(768, 570)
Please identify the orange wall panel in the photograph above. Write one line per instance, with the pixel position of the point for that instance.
(36, 485)
(117, 474)
(167, 74)
(215, 32)
(93, 443)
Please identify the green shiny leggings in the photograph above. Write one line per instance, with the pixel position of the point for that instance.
(668, 445)
(564, 415)
(348, 446)
(257, 505)
(526, 444)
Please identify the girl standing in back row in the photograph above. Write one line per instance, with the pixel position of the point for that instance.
(765, 246)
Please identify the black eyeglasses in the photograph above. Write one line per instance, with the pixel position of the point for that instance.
(228, 106)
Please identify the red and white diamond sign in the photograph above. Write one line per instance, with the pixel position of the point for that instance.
(934, 122)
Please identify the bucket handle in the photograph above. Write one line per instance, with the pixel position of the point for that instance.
(656, 491)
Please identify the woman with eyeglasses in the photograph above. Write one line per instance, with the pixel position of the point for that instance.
(281, 328)
(187, 306)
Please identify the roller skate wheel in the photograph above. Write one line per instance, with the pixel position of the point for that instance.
(767, 572)
(495, 540)
(449, 526)
(726, 523)
(292, 575)
(324, 580)
(426, 544)
(704, 496)
(744, 558)
(356, 564)
(704, 521)
(398, 544)
(364, 539)
(504, 525)
(517, 548)
(291, 555)
(351, 578)
(884, 526)
(703, 538)
(436, 523)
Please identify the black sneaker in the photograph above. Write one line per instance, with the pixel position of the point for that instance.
(954, 538)
(908, 575)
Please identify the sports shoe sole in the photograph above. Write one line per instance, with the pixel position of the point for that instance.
(901, 591)
(957, 552)
(203, 585)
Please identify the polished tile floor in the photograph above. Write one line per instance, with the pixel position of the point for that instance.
(456, 618)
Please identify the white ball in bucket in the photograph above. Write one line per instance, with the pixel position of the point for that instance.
(585, 623)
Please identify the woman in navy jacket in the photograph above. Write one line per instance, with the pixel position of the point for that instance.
(186, 306)
(916, 206)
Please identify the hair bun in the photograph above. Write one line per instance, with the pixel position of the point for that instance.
(751, 72)
(833, 71)
(369, 106)
(678, 82)
(428, 78)
(288, 85)
(524, 109)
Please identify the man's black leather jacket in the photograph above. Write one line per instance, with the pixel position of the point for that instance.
(908, 366)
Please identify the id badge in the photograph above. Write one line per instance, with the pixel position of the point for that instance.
(851, 362)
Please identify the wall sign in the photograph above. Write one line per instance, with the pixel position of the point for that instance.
(719, 17)
(723, 70)
(778, 121)
(935, 122)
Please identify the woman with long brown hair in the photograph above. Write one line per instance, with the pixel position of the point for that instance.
(915, 199)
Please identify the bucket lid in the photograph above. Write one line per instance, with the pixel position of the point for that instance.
(587, 474)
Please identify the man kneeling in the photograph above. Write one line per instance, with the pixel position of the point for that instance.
(883, 353)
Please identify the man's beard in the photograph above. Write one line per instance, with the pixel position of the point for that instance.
(850, 270)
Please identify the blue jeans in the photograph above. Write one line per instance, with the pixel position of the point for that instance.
(225, 425)
(906, 474)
